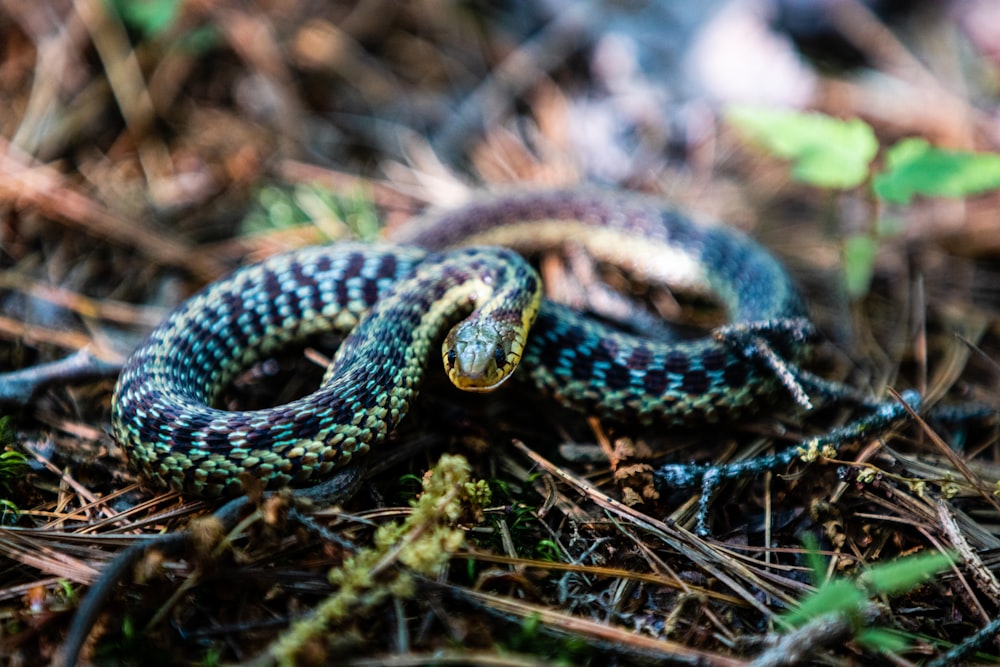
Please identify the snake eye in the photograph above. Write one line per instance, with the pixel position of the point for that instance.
(499, 356)
(452, 356)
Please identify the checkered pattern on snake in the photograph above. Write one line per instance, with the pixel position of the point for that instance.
(397, 301)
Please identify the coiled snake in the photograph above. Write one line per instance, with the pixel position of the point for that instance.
(395, 302)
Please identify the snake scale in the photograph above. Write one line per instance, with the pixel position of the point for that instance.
(395, 302)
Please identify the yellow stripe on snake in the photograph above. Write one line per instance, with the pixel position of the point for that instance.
(395, 302)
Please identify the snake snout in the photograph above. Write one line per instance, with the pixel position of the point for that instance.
(478, 356)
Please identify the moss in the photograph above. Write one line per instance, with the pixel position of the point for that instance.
(420, 545)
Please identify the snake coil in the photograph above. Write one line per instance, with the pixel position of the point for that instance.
(395, 302)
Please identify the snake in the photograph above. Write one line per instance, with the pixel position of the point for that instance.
(459, 275)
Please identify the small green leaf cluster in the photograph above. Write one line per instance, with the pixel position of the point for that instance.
(840, 154)
(849, 598)
(832, 153)
(824, 151)
(13, 465)
(335, 215)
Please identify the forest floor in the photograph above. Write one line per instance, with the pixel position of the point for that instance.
(149, 148)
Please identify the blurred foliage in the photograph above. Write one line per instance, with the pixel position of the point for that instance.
(336, 215)
(850, 598)
(824, 151)
(150, 17)
(914, 167)
(830, 153)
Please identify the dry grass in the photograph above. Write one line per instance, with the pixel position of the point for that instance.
(128, 160)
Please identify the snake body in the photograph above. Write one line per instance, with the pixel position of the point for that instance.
(396, 301)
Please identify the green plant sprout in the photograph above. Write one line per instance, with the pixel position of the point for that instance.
(337, 216)
(824, 151)
(850, 599)
(914, 167)
(827, 152)
(13, 465)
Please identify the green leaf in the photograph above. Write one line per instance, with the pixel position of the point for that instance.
(847, 599)
(334, 215)
(838, 596)
(825, 151)
(914, 167)
(859, 264)
(904, 574)
(149, 17)
(817, 566)
(548, 550)
(9, 512)
(881, 639)
(13, 464)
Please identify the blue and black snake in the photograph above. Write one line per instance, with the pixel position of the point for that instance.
(395, 302)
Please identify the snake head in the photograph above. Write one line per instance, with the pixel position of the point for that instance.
(480, 354)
